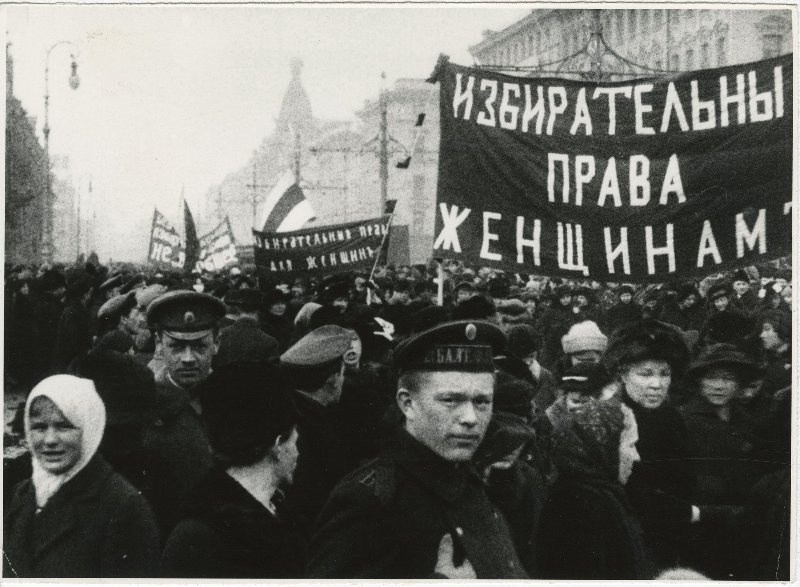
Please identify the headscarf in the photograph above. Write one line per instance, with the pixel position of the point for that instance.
(586, 441)
(78, 401)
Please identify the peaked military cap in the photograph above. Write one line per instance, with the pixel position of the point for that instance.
(321, 345)
(117, 305)
(464, 345)
(186, 315)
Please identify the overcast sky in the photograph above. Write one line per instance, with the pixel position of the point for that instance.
(175, 96)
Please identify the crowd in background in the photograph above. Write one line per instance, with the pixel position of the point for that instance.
(701, 371)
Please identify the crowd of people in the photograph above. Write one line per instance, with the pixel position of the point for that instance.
(352, 426)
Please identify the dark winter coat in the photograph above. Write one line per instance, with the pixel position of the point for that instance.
(244, 341)
(278, 327)
(386, 520)
(662, 484)
(227, 533)
(96, 526)
(589, 531)
(554, 324)
(622, 314)
(726, 455)
(321, 463)
(73, 339)
(177, 445)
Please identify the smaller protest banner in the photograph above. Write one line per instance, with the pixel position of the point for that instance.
(340, 247)
(167, 250)
(217, 249)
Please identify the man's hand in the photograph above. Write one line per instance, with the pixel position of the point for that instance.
(445, 565)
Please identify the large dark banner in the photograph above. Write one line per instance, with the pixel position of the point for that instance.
(326, 249)
(649, 180)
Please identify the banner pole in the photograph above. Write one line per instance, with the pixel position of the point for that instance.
(440, 275)
(380, 249)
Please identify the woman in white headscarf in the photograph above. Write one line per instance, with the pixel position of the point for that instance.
(75, 517)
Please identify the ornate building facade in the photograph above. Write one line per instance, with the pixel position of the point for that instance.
(659, 41)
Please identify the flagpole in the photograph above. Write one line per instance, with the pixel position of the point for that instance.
(383, 242)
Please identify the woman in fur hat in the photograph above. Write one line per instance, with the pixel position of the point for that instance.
(644, 357)
(723, 445)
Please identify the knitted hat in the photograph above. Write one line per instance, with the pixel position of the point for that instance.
(584, 336)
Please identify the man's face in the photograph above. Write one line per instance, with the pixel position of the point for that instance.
(188, 361)
(741, 287)
(721, 303)
(625, 298)
(341, 303)
(449, 411)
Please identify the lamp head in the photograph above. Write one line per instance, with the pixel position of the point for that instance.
(74, 80)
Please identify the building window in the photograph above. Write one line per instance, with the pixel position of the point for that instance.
(620, 25)
(722, 49)
(530, 45)
(675, 62)
(645, 21)
(632, 22)
(704, 56)
(657, 14)
(772, 45)
(659, 65)
(689, 59)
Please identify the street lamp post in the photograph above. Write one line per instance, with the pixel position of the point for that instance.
(74, 82)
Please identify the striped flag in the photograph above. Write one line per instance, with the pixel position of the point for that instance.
(286, 208)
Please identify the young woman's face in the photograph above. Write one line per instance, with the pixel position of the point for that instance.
(719, 386)
(721, 303)
(55, 442)
(647, 382)
(769, 337)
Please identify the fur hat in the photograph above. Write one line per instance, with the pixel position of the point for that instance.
(584, 336)
(731, 327)
(625, 288)
(719, 290)
(687, 289)
(645, 340)
(724, 355)
(522, 340)
(474, 308)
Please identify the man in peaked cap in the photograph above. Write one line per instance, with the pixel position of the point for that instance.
(185, 326)
(315, 367)
(421, 509)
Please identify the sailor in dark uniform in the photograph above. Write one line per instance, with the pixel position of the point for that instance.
(420, 509)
